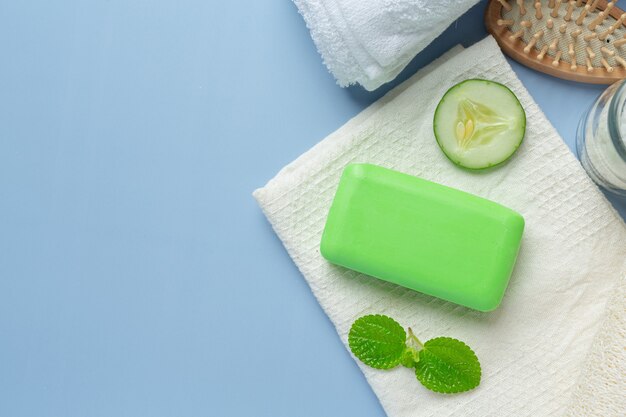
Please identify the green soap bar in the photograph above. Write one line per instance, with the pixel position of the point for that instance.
(421, 235)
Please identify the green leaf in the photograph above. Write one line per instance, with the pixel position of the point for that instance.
(448, 366)
(378, 341)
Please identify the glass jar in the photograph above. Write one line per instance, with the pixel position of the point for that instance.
(601, 139)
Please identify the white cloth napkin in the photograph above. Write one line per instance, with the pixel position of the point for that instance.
(370, 41)
(533, 347)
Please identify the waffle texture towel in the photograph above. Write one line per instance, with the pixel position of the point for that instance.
(534, 348)
(370, 41)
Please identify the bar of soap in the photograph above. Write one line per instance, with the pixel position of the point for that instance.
(421, 235)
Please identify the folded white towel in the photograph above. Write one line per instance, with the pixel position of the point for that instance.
(370, 41)
(533, 347)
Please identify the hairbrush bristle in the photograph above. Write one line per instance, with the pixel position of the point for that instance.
(583, 40)
(505, 4)
(522, 7)
(554, 44)
(620, 42)
(538, 11)
(555, 9)
(570, 10)
(590, 53)
(582, 15)
(607, 51)
(606, 65)
(596, 21)
(590, 36)
(594, 5)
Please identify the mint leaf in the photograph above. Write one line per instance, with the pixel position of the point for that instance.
(448, 366)
(442, 364)
(378, 341)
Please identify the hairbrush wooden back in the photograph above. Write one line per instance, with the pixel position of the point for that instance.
(576, 40)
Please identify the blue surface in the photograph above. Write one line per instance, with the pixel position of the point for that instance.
(137, 274)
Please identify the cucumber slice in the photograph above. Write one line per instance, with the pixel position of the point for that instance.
(479, 124)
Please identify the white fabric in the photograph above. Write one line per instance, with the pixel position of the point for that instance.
(370, 41)
(533, 347)
(601, 389)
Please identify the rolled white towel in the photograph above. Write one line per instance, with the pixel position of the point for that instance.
(370, 41)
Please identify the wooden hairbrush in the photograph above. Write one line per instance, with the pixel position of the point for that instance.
(576, 40)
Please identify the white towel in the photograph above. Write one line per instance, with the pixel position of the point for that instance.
(601, 389)
(370, 41)
(533, 347)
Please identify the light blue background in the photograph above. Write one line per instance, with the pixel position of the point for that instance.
(137, 275)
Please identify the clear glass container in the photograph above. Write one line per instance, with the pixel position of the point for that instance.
(601, 139)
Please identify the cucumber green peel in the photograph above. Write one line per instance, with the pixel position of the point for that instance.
(479, 124)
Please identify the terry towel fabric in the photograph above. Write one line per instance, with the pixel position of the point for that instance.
(370, 41)
(533, 347)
